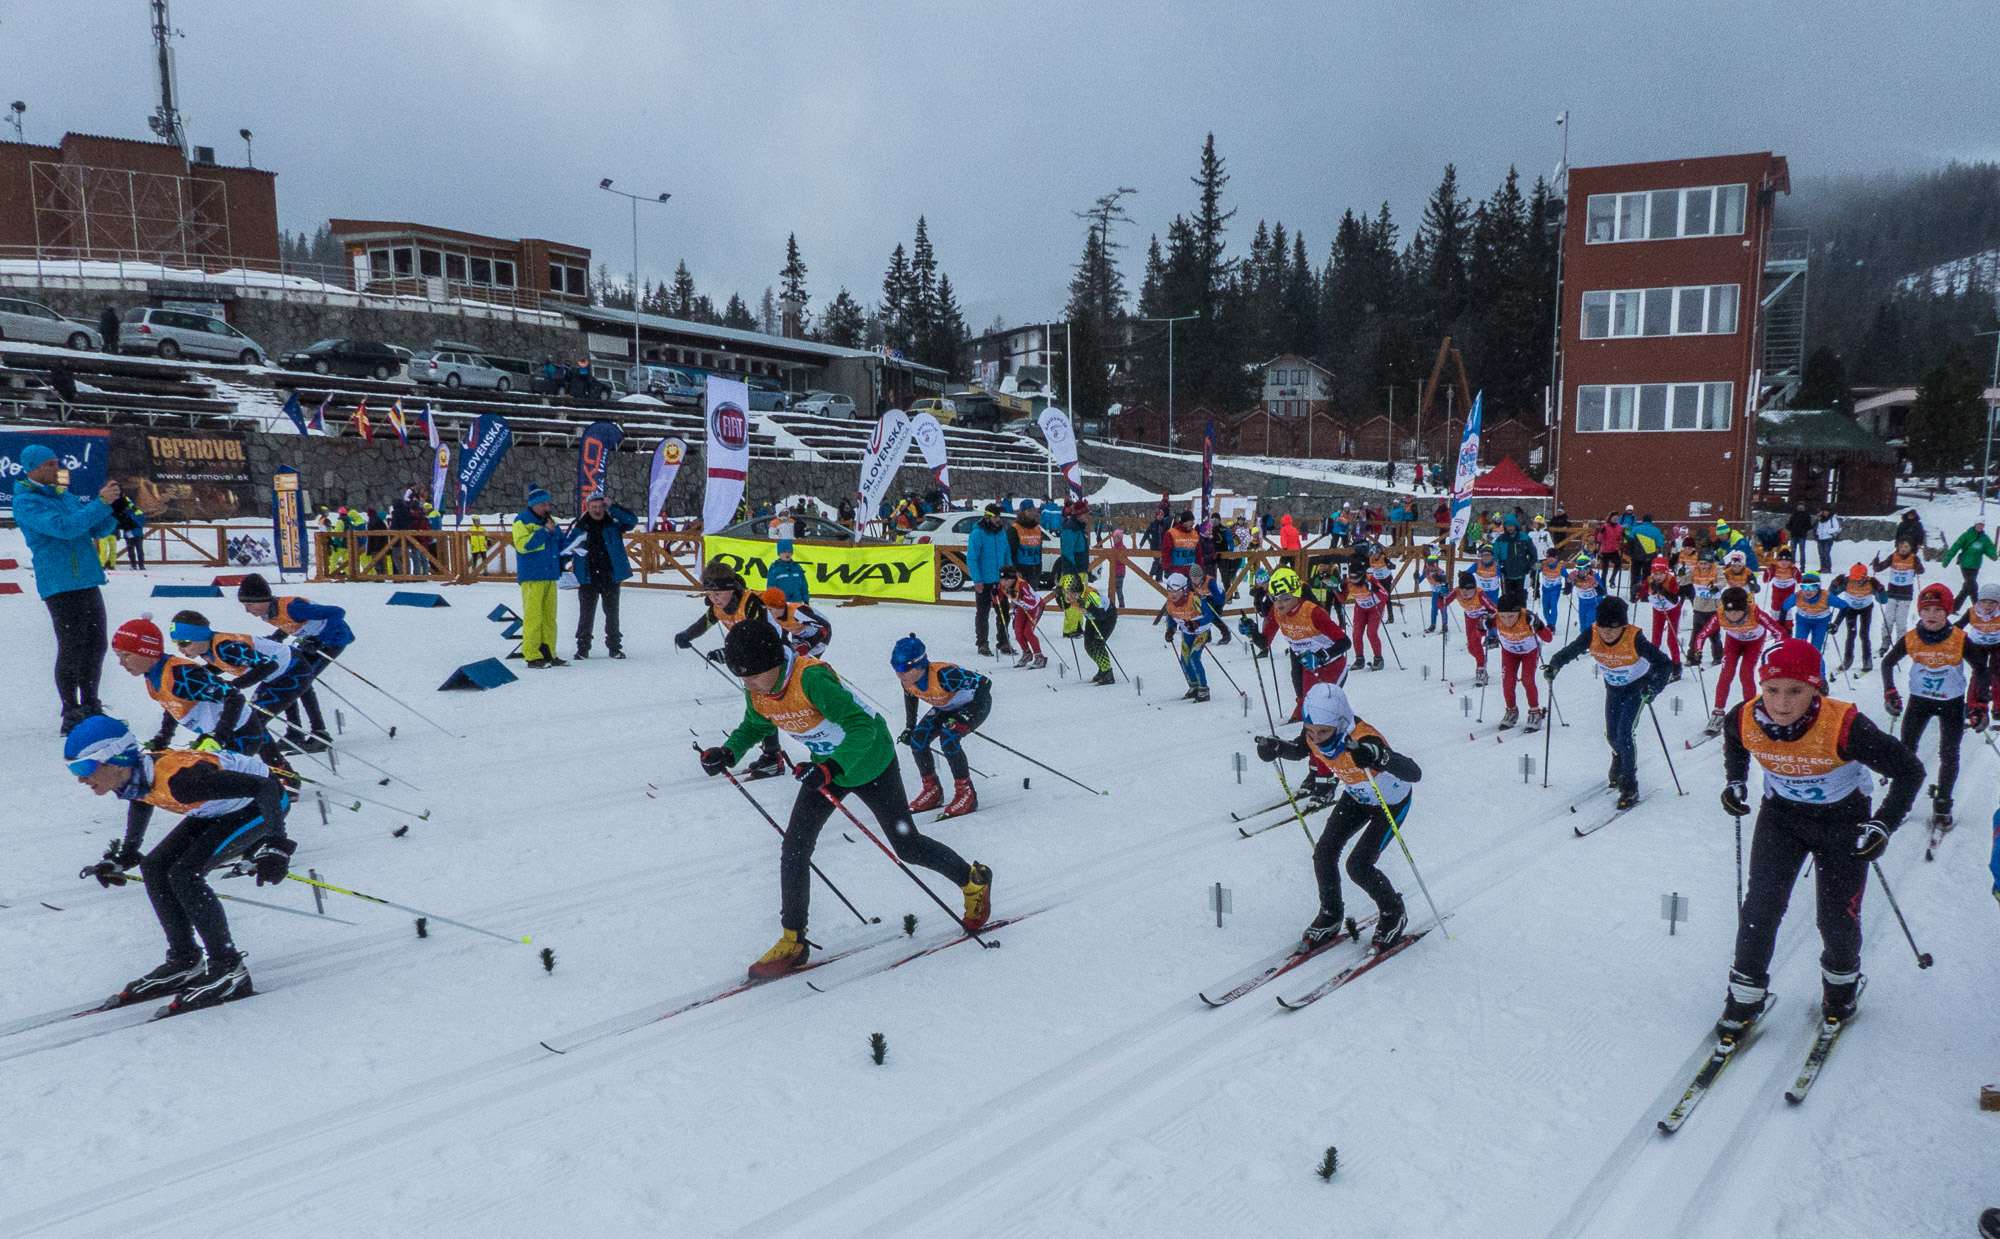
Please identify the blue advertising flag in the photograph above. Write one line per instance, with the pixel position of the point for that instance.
(485, 446)
(288, 520)
(593, 459)
(1468, 471)
(297, 414)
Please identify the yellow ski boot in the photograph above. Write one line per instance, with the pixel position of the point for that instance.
(978, 898)
(790, 952)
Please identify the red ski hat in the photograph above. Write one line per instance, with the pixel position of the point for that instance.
(1660, 563)
(1936, 594)
(1793, 659)
(139, 636)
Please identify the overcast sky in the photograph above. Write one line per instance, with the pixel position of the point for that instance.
(844, 122)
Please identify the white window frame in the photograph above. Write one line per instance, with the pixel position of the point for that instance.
(1736, 195)
(1627, 308)
(1714, 408)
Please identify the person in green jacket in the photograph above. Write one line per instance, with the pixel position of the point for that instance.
(851, 751)
(1972, 549)
(537, 565)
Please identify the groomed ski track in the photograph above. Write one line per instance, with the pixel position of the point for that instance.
(1069, 1082)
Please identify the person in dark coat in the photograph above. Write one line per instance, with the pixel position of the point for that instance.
(1910, 529)
(1800, 526)
(107, 326)
(596, 549)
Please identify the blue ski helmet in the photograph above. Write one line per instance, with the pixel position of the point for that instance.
(909, 652)
(96, 741)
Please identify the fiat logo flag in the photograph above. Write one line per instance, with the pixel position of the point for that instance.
(727, 452)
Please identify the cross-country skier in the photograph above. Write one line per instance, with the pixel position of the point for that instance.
(1473, 606)
(1633, 671)
(804, 628)
(1486, 574)
(731, 603)
(318, 634)
(1550, 579)
(851, 751)
(1188, 622)
(1438, 582)
(1782, 575)
(1587, 588)
(1811, 611)
(231, 807)
(1367, 604)
(1521, 636)
(1855, 601)
(1936, 649)
(1704, 583)
(188, 692)
(1661, 590)
(1318, 644)
(1746, 630)
(269, 667)
(1816, 752)
(959, 700)
(1981, 623)
(1738, 574)
(1027, 604)
(1374, 780)
(1087, 615)
(1900, 570)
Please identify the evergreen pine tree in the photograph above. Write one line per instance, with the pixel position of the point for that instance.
(842, 322)
(945, 345)
(1945, 429)
(1439, 255)
(680, 302)
(737, 315)
(792, 279)
(767, 312)
(920, 294)
(894, 307)
(1823, 385)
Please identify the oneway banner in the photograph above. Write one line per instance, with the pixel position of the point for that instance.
(838, 570)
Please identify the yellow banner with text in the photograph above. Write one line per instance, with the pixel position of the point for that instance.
(836, 570)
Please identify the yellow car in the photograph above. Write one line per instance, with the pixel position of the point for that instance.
(944, 410)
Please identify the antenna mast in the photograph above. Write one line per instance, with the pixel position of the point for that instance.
(166, 119)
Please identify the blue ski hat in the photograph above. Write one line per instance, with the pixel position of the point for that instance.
(34, 456)
(909, 652)
(537, 494)
(96, 741)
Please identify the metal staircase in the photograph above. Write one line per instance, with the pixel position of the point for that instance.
(1781, 309)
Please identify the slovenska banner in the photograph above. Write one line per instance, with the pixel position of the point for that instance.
(1056, 431)
(884, 454)
(727, 452)
(667, 458)
(930, 441)
(838, 570)
(485, 446)
(288, 520)
(1468, 471)
(593, 460)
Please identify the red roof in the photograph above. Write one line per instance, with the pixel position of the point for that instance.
(1506, 478)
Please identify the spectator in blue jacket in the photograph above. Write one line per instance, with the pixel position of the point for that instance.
(62, 531)
(986, 553)
(1073, 539)
(788, 575)
(595, 546)
(537, 564)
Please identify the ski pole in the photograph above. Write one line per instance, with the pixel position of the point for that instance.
(1106, 641)
(423, 815)
(349, 703)
(897, 861)
(1923, 957)
(1396, 829)
(393, 697)
(1739, 864)
(1668, 753)
(1392, 647)
(429, 916)
(134, 879)
(331, 745)
(1284, 784)
(1032, 761)
(1548, 734)
(766, 815)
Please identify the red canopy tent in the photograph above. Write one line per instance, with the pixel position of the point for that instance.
(1507, 478)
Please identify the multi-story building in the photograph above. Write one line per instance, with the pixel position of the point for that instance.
(96, 197)
(1295, 387)
(390, 256)
(1668, 268)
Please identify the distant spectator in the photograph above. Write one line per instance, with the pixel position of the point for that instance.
(1288, 534)
(1800, 526)
(1910, 529)
(107, 326)
(596, 546)
(1971, 550)
(787, 575)
(60, 529)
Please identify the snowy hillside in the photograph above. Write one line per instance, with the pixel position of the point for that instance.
(1500, 1082)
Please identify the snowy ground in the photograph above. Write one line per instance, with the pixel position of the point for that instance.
(1503, 1082)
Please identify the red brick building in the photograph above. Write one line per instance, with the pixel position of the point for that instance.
(1663, 267)
(390, 256)
(115, 198)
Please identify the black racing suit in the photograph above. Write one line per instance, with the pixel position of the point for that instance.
(1788, 831)
(1622, 702)
(890, 803)
(1919, 708)
(1363, 820)
(176, 868)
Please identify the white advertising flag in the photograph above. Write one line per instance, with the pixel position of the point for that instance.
(727, 451)
(886, 449)
(667, 459)
(1062, 446)
(1468, 471)
(930, 441)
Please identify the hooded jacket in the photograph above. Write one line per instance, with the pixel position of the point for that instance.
(61, 531)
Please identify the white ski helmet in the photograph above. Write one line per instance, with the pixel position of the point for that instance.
(1177, 583)
(1326, 705)
(1735, 557)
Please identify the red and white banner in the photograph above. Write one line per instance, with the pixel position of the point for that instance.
(726, 452)
(930, 441)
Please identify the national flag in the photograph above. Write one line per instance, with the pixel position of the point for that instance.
(317, 422)
(396, 422)
(1468, 471)
(430, 428)
(359, 421)
(293, 411)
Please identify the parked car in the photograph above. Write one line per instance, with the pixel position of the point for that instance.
(362, 359)
(174, 333)
(805, 528)
(452, 368)
(520, 368)
(667, 383)
(825, 404)
(34, 323)
(764, 400)
(948, 529)
(945, 411)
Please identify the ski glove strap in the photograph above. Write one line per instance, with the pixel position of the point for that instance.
(1870, 838)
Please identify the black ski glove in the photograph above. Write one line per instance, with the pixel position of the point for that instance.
(1267, 748)
(716, 760)
(714, 655)
(1549, 674)
(1369, 753)
(1892, 701)
(1869, 839)
(682, 641)
(110, 871)
(903, 736)
(814, 776)
(159, 742)
(271, 859)
(1736, 800)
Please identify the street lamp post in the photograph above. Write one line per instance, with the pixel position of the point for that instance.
(1986, 469)
(635, 199)
(249, 152)
(1170, 369)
